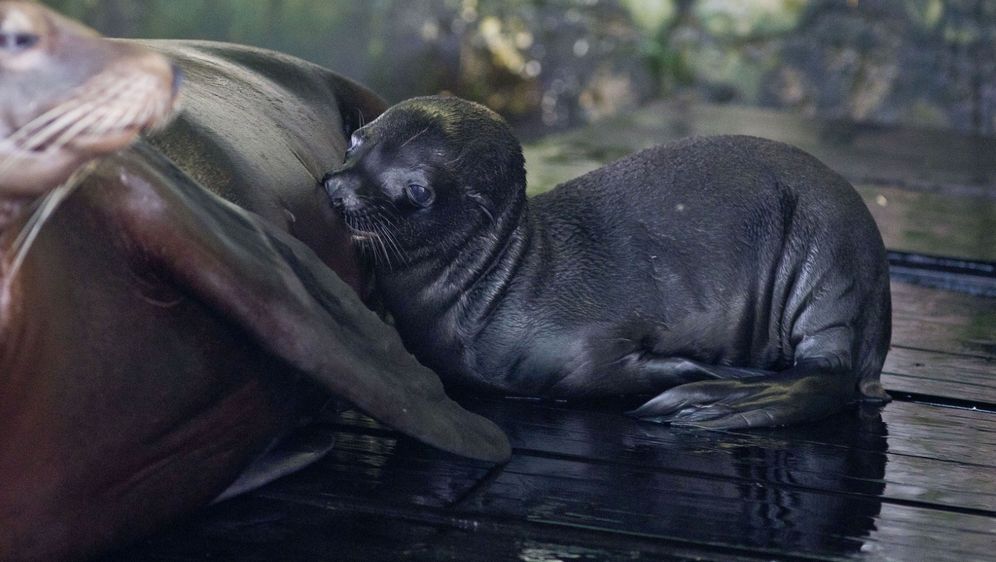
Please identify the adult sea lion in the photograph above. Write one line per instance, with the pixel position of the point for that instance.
(737, 278)
(154, 337)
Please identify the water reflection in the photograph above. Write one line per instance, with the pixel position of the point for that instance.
(815, 488)
(850, 473)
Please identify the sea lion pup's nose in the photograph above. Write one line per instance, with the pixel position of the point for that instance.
(341, 195)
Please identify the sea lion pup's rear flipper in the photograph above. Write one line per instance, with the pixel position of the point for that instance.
(741, 398)
(284, 297)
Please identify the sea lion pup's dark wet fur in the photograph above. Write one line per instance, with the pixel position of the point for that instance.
(737, 278)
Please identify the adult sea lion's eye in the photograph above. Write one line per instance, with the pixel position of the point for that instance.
(419, 194)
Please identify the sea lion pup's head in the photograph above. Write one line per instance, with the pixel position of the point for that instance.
(68, 95)
(427, 176)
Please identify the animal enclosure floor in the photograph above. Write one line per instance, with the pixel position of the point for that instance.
(915, 480)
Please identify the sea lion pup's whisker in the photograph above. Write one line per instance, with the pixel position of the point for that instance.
(372, 227)
(387, 243)
(413, 137)
(394, 244)
(390, 231)
(360, 224)
(383, 247)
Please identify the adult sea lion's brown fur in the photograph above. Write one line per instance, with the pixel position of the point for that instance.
(153, 338)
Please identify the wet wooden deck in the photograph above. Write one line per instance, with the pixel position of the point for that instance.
(913, 481)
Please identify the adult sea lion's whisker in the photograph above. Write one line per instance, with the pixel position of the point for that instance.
(124, 108)
(47, 206)
(137, 111)
(38, 131)
(31, 127)
(53, 121)
(75, 130)
(44, 136)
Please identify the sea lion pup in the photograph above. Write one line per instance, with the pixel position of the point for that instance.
(173, 318)
(738, 279)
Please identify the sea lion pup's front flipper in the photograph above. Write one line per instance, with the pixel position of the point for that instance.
(277, 290)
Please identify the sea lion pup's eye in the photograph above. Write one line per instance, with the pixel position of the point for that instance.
(419, 194)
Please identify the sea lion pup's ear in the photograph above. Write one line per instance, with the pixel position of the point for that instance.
(292, 305)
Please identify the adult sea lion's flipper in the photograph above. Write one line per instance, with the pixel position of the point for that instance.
(284, 297)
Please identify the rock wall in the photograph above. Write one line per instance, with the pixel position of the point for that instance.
(556, 63)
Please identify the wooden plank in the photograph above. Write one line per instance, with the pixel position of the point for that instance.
(943, 321)
(262, 529)
(971, 380)
(933, 223)
(687, 508)
(365, 465)
(487, 536)
(308, 529)
(940, 306)
(845, 486)
(904, 449)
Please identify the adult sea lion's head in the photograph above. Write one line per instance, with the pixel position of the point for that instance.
(426, 176)
(68, 95)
